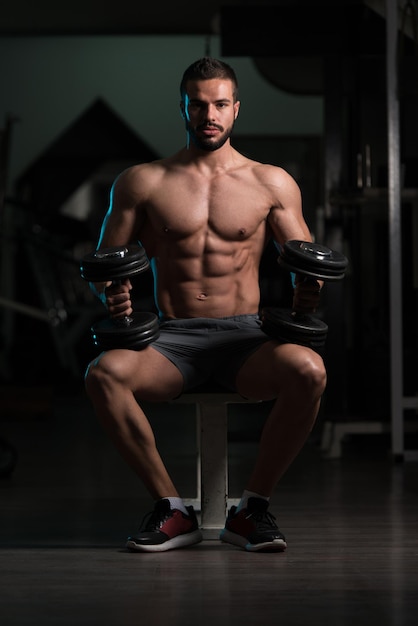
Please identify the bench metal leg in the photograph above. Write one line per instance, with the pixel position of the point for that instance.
(212, 457)
(212, 427)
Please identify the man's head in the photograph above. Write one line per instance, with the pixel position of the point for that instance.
(205, 69)
(209, 102)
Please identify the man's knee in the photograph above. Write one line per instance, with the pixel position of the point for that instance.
(95, 377)
(310, 372)
(298, 369)
(103, 371)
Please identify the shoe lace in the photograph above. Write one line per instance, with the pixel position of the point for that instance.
(263, 519)
(154, 519)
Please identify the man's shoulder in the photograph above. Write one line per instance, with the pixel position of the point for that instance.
(144, 167)
(275, 180)
(269, 172)
(141, 172)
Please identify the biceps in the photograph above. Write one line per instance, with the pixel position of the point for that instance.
(286, 224)
(120, 227)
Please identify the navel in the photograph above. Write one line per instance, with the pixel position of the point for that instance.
(202, 296)
(166, 229)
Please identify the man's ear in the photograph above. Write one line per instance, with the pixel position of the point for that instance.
(236, 107)
(182, 112)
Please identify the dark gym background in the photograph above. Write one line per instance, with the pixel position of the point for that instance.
(89, 88)
(314, 101)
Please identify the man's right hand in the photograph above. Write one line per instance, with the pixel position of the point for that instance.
(306, 295)
(117, 298)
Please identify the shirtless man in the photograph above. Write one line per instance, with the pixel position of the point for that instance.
(204, 217)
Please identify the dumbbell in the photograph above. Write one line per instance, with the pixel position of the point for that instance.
(312, 260)
(114, 264)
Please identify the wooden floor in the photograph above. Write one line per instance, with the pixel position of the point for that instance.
(66, 509)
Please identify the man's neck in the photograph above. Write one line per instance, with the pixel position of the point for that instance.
(222, 158)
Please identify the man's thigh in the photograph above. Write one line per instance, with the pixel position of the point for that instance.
(149, 374)
(266, 369)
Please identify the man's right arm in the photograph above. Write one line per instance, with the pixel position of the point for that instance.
(121, 226)
(124, 216)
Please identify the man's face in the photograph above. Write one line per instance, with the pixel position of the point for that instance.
(210, 112)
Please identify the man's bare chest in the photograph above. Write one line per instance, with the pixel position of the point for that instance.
(231, 208)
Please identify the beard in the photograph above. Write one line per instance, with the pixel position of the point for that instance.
(208, 143)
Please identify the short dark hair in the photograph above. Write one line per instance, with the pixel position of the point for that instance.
(207, 68)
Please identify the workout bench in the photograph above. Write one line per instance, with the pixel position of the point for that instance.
(212, 499)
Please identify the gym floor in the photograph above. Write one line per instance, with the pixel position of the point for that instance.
(69, 503)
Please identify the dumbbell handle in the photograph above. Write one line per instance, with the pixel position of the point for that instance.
(313, 295)
(126, 320)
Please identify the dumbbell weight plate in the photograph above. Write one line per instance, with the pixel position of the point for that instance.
(114, 263)
(134, 333)
(312, 259)
(289, 327)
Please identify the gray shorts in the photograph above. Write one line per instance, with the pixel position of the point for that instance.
(212, 349)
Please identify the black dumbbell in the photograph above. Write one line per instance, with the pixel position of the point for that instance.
(312, 260)
(114, 264)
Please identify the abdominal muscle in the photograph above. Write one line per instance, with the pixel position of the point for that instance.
(215, 286)
(195, 300)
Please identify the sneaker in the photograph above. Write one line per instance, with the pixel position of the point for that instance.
(165, 528)
(253, 528)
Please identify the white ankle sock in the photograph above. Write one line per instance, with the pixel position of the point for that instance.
(177, 503)
(249, 494)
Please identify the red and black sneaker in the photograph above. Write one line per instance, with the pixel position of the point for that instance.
(253, 528)
(165, 528)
